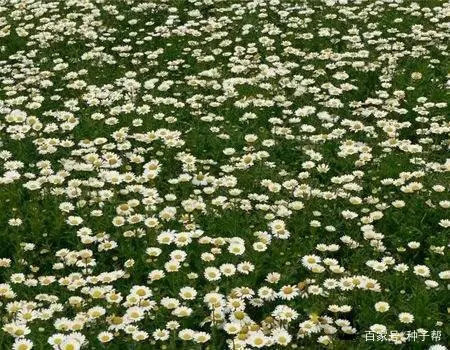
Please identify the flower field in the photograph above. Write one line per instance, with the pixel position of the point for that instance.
(224, 174)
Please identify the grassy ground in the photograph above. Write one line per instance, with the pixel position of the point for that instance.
(300, 147)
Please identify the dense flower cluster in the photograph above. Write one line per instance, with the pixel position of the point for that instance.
(223, 174)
